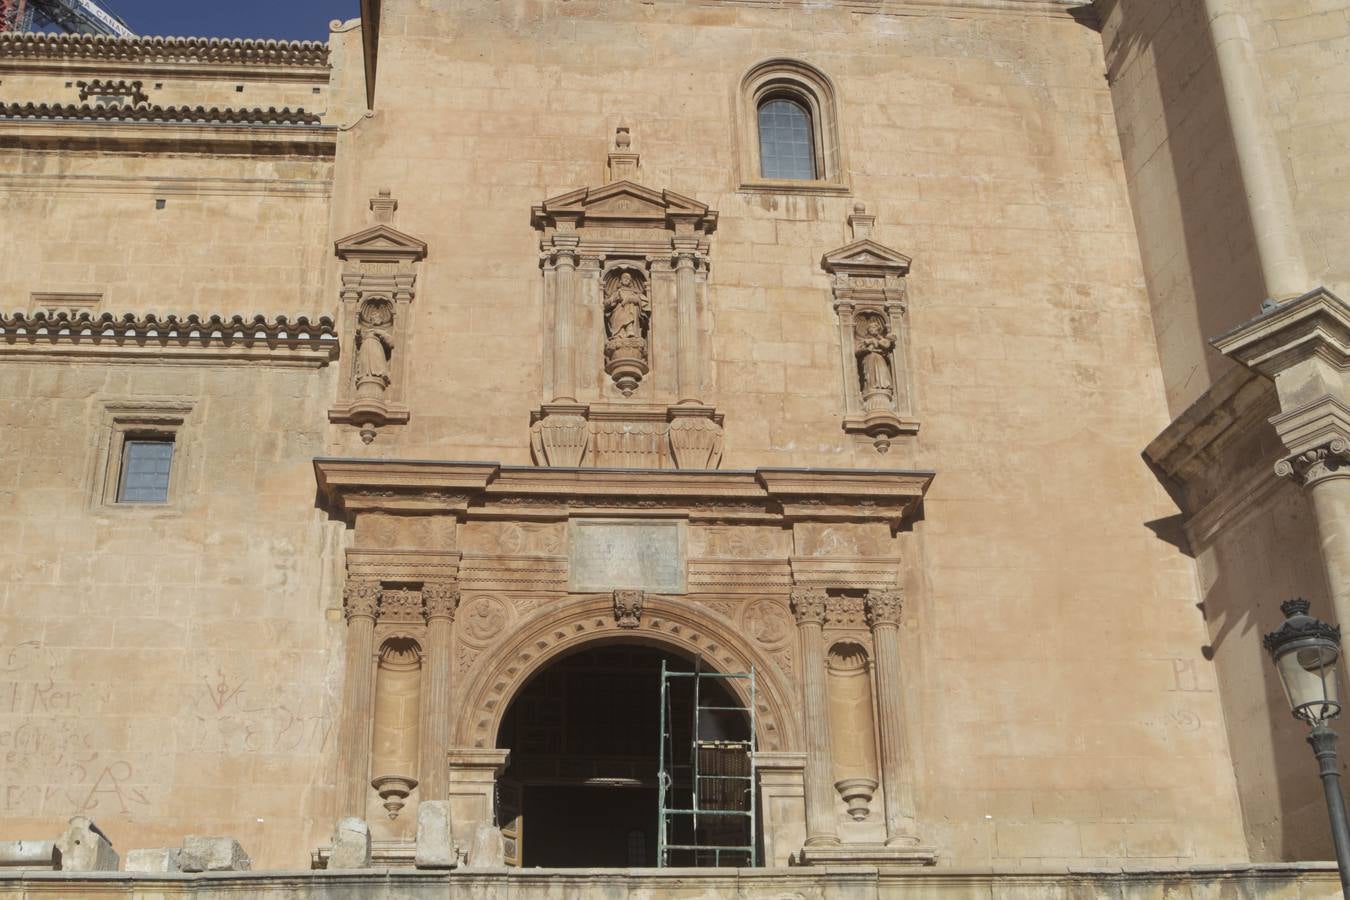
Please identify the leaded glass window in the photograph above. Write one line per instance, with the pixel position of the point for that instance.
(145, 470)
(786, 141)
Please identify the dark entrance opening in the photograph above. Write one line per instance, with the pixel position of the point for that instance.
(580, 790)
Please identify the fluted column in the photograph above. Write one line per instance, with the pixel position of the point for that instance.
(689, 385)
(564, 329)
(808, 606)
(1324, 473)
(360, 601)
(439, 600)
(883, 615)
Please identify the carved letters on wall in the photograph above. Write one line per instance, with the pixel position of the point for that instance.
(870, 299)
(379, 279)
(625, 271)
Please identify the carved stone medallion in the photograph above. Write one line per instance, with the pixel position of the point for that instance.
(767, 622)
(482, 620)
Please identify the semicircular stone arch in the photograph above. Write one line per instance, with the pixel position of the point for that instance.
(680, 626)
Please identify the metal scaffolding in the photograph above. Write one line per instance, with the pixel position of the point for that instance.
(718, 780)
(70, 16)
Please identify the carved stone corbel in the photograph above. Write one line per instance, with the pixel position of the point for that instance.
(379, 279)
(628, 608)
(870, 300)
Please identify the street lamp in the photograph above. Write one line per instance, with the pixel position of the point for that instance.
(1305, 651)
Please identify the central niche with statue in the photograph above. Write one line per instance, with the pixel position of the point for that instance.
(625, 273)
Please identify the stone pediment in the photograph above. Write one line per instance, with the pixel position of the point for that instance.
(865, 257)
(380, 242)
(624, 204)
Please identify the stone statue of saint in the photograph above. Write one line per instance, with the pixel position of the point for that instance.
(374, 343)
(626, 305)
(874, 357)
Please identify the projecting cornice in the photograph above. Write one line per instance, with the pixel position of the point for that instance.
(144, 114)
(41, 45)
(172, 338)
(485, 489)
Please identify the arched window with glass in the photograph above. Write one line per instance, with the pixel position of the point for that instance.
(788, 119)
(786, 140)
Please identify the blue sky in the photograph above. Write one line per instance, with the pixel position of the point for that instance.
(290, 19)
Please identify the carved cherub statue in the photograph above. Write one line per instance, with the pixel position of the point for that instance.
(626, 307)
(874, 348)
(374, 343)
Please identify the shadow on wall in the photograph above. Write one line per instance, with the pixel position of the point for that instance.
(1190, 208)
(1197, 245)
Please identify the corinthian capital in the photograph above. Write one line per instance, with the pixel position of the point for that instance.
(809, 605)
(360, 597)
(1311, 466)
(883, 607)
(440, 599)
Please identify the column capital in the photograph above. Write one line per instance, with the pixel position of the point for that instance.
(440, 599)
(809, 605)
(361, 598)
(883, 607)
(1318, 464)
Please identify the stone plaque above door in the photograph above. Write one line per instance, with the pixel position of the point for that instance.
(606, 554)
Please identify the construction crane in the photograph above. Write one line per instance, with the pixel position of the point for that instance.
(69, 16)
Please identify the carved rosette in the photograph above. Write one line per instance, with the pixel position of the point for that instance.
(440, 599)
(361, 598)
(628, 608)
(810, 606)
(883, 607)
(1313, 465)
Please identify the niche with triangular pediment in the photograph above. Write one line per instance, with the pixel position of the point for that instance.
(625, 271)
(870, 299)
(378, 284)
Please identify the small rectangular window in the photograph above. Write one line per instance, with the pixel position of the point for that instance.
(145, 470)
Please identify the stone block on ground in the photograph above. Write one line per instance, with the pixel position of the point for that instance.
(435, 840)
(488, 850)
(84, 848)
(202, 853)
(155, 859)
(351, 844)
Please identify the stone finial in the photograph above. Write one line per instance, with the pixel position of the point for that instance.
(435, 837)
(351, 844)
(860, 223)
(202, 853)
(82, 847)
(383, 206)
(623, 162)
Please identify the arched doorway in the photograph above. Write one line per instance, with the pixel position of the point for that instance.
(585, 737)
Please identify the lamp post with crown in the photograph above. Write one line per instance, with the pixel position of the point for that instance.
(1305, 651)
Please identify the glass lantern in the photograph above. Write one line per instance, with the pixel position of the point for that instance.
(1305, 651)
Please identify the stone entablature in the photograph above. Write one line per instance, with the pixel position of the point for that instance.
(41, 45)
(145, 114)
(301, 341)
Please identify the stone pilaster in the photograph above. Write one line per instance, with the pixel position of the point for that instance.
(1324, 473)
(808, 607)
(883, 615)
(690, 380)
(439, 601)
(361, 599)
(564, 328)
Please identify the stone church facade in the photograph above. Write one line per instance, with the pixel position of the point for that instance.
(386, 418)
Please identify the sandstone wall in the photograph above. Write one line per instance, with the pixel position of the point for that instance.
(1254, 540)
(1065, 709)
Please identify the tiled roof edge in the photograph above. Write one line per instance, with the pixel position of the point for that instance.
(147, 113)
(41, 45)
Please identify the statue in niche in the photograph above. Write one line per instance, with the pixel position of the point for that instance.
(875, 344)
(374, 346)
(627, 312)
